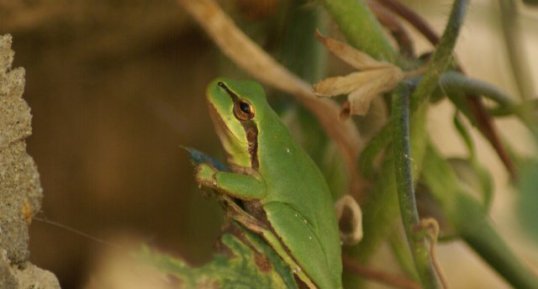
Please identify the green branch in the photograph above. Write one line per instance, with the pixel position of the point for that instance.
(405, 187)
(442, 56)
(451, 81)
(516, 49)
(457, 86)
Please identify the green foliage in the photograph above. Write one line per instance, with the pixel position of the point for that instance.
(402, 155)
(245, 261)
(470, 220)
(361, 28)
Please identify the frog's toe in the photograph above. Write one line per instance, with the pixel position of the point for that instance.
(205, 174)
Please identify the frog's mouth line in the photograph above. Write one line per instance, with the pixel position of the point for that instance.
(223, 132)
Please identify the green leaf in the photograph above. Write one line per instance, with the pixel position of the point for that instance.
(361, 28)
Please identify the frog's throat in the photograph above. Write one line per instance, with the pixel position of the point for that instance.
(240, 153)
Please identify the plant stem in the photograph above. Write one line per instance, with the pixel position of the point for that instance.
(401, 107)
(463, 92)
(452, 80)
(484, 240)
(457, 85)
(442, 56)
(300, 51)
(414, 19)
(515, 48)
(405, 187)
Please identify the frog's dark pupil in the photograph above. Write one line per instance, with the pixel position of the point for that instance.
(244, 107)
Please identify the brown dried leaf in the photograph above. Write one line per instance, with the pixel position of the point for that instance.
(374, 78)
(339, 85)
(380, 82)
(350, 55)
(362, 87)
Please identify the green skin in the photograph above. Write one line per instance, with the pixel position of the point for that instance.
(283, 193)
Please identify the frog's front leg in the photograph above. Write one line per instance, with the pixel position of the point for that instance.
(244, 187)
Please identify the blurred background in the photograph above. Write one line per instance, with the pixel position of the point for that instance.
(116, 87)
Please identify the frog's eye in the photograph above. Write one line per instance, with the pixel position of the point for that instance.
(243, 110)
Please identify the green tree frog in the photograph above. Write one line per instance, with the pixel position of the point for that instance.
(274, 188)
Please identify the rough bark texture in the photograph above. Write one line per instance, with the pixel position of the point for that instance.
(20, 189)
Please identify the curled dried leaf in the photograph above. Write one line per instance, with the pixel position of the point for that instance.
(349, 216)
(339, 85)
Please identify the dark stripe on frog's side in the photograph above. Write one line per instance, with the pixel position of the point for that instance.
(251, 131)
(252, 137)
(254, 209)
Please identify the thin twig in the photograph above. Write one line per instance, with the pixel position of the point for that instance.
(378, 276)
(413, 18)
(486, 127)
(387, 18)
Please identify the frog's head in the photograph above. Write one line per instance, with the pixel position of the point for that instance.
(236, 108)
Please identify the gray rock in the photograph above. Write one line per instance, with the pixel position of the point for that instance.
(20, 188)
(29, 277)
